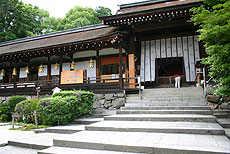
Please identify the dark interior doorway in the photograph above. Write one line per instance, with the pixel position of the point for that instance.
(169, 66)
(166, 68)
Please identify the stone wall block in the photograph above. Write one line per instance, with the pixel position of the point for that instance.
(212, 98)
(118, 103)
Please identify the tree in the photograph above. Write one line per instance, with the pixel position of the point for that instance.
(214, 20)
(20, 20)
(80, 16)
(103, 11)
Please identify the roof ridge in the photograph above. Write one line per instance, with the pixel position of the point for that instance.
(68, 31)
(146, 2)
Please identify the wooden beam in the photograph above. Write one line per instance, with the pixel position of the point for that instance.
(60, 68)
(49, 69)
(162, 25)
(97, 63)
(120, 68)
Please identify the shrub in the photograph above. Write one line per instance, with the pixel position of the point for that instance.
(14, 100)
(29, 126)
(26, 108)
(64, 107)
(4, 109)
(3, 118)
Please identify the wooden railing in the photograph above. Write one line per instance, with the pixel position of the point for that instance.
(90, 82)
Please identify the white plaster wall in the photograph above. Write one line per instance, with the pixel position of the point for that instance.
(53, 71)
(44, 73)
(84, 65)
(22, 73)
(1, 77)
(66, 67)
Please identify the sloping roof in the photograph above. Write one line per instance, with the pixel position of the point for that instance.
(127, 11)
(152, 4)
(57, 38)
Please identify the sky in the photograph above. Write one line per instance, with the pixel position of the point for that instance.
(58, 8)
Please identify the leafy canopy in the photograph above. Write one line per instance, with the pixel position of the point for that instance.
(214, 19)
(19, 20)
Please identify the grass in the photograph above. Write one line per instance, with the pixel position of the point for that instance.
(29, 127)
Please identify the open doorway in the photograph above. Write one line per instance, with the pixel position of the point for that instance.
(166, 68)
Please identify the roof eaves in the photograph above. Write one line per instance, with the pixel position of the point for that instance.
(118, 16)
(69, 31)
(129, 5)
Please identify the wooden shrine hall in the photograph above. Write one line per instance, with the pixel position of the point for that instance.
(145, 43)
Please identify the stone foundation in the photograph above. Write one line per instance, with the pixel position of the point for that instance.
(109, 101)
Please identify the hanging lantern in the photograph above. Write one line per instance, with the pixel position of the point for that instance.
(56, 66)
(27, 70)
(41, 69)
(14, 72)
(3, 72)
(72, 65)
(91, 63)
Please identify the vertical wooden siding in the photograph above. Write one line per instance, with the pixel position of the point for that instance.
(186, 47)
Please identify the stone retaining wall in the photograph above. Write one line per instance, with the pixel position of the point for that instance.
(109, 101)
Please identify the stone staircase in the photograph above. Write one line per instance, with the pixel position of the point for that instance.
(167, 120)
(223, 118)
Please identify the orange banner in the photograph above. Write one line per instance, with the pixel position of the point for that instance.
(72, 77)
(132, 70)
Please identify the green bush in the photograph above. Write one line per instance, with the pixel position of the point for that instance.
(64, 107)
(4, 109)
(14, 100)
(26, 108)
(3, 118)
(29, 126)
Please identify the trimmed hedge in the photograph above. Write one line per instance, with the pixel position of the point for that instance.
(64, 107)
(14, 100)
(26, 108)
(5, 110)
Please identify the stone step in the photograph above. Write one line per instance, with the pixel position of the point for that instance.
(227, 132)
(68, 129)
(224, 122)
(37, 141)
(150, 104)
(87, 120)
(189, 99)
(202, 112)
(162, 117)
(167, 108)
(182, 89)
(221, 113)
(61, 150)
(158, 127)
(142, 142)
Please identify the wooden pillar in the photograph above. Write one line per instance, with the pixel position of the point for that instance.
(97, 64)
(15, 77)
(28, 75)
(60, 68)
(49, 69)
(10, 73)
(120, 67)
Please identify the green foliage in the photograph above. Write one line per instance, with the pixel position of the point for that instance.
(20, 20)
(3, 118)
(215, 33)
(29, 126)
(79, 17)
(26, 108)
(64, 107)
(14, 100)
(4, 109)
